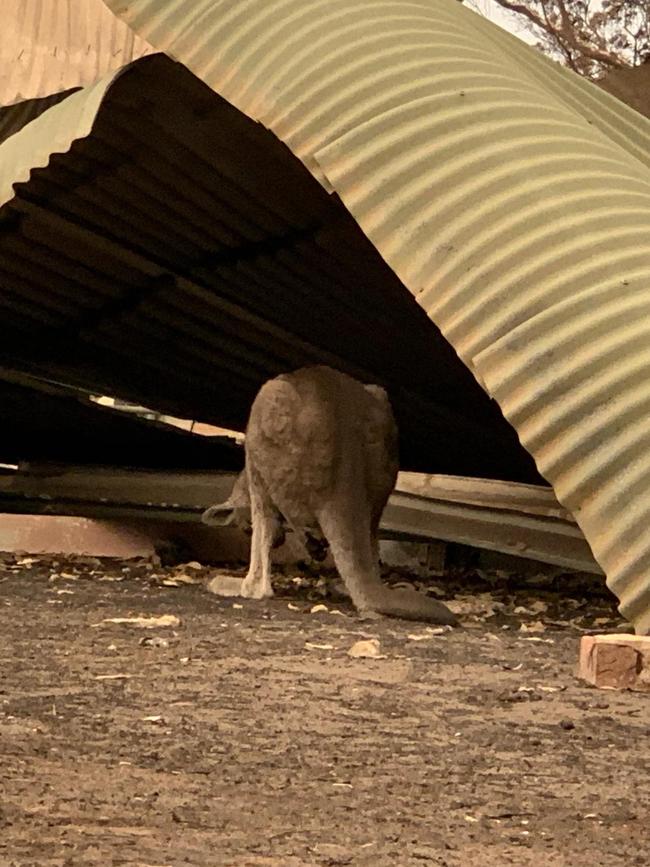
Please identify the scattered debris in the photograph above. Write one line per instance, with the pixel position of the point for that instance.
(180, 580)
(522, 693)
(114, 676)
(536, 626)
(481, 605)
(162, 620)
(153, 641)
(320, 607)
(537, 639)
(153, 719)
(538, 606)
(508, 667)
(309, 645)
(368, 649)
(429, 632)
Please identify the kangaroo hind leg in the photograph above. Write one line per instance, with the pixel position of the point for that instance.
(267, 532)
(266, 522)
(351, 544)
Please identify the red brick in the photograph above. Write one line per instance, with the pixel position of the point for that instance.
(615, 661)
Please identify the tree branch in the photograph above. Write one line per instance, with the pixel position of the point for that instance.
(565, 33)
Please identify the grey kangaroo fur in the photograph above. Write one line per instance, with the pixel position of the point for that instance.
(322, 458)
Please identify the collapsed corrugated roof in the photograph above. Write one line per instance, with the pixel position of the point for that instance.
(374, 99)
(158, 245)
(510, 196)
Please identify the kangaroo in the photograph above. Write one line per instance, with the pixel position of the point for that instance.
(321, 457)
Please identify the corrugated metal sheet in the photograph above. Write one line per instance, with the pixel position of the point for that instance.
(53, 132)
(157, 245)
(503, 521)
(489, 493)
(539, 538)
(72, 490)
(312, 70)
(14, 117)
(48, 46)
(510, 197)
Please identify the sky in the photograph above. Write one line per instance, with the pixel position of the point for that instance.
(492, 11)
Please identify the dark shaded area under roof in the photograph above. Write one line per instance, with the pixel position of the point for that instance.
(180, 255)
(43, 422)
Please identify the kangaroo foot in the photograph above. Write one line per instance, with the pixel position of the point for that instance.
(254, 588)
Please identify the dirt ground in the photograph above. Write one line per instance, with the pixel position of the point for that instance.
(246, 735)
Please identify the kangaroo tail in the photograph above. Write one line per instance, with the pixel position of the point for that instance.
(411, 605)
(353, 547)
